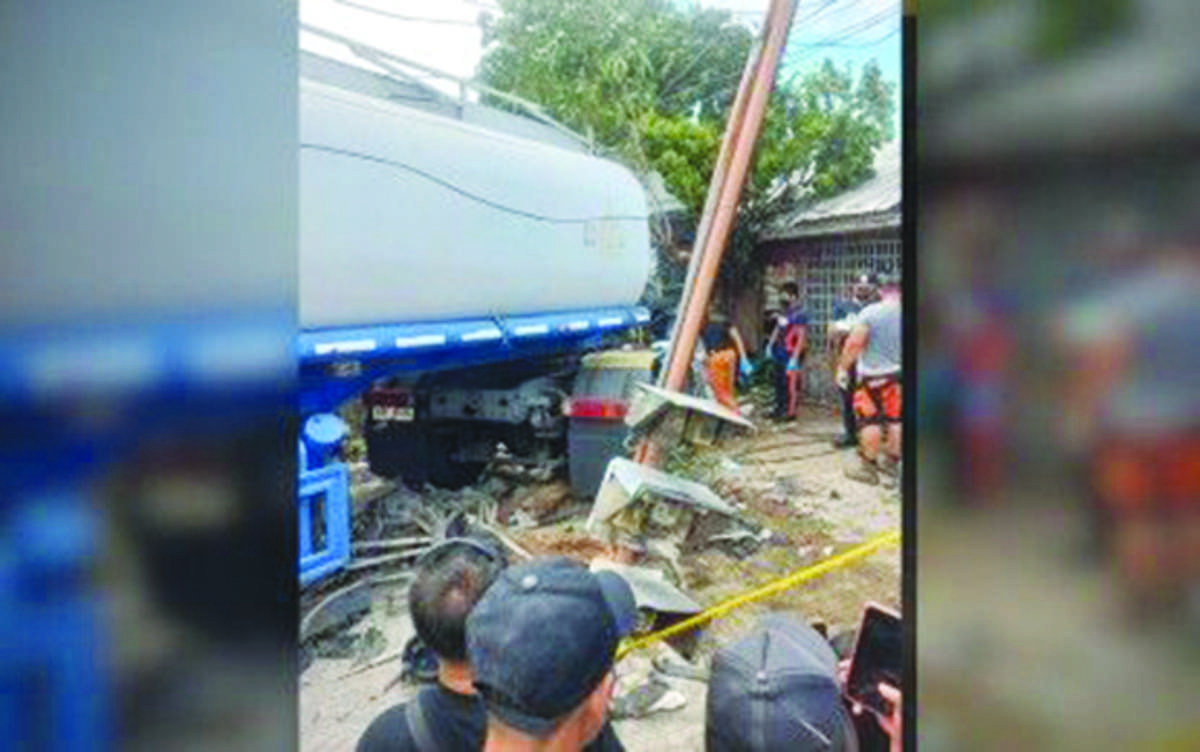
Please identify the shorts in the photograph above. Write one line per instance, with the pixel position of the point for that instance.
(878, 401)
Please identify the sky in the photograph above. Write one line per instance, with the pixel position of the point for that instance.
(443, 34)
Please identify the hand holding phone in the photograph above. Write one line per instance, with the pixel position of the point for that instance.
(893, 724)
(877, 659)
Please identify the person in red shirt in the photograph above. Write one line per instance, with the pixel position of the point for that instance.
(788, 346)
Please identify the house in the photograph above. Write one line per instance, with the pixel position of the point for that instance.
(821, 247)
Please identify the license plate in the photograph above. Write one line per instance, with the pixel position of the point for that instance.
(393, 413)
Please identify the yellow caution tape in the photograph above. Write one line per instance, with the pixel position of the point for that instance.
(786, 582)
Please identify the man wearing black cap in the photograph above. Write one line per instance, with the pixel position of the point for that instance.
(542, 642)
(449, 715)
(778, 688)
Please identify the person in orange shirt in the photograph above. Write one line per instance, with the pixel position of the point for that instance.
(725, 355)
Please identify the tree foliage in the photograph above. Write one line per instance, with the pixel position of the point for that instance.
(652, 84)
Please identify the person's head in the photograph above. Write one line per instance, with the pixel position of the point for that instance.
(451, 578)
(542, 642)
(866, 287)
(716, 336)
(789, 292)
(783, 675)
(889, 286)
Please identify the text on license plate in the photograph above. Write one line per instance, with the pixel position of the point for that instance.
(393, 413)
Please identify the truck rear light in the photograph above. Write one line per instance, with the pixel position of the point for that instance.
(595, 407)
(389, 397)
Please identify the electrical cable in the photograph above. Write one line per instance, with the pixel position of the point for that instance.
(677, 78)
(402, 17)
(842, 37)
(815, 49)
(469, 195)
(843, 46)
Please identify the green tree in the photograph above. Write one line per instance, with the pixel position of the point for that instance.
(652, 83)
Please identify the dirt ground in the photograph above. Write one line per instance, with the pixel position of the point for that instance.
(786, 477)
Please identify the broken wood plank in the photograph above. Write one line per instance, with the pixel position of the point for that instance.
(507, 541)
(381, 661)
(422, 540)
(386, 559)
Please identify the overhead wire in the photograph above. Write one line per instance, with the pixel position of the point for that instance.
(842, 37)
(403, 17)
(816, 48)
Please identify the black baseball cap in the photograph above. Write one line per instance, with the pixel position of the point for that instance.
(543, 637)
(889, 279)
(777, 689)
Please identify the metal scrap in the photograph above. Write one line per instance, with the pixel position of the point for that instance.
(508, 542)
(639, 507)
(673, 417)
(407, 542)
(375, 561)
(651, 591)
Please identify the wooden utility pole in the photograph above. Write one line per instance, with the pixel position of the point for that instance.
(724, 194)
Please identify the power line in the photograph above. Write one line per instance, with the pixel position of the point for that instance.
(468, 194)
(863, 46)
(402, 17)
(842, 39)
(669, 88)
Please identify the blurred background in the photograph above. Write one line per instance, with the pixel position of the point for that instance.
(1058, 584)
(147, 544)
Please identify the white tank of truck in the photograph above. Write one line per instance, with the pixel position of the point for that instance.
(410, 216)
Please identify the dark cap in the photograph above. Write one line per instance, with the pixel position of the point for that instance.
(543, 637)
(867, 279)
(889, 279)
(777, 689)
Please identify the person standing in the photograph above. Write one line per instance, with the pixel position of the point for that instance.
(542, 642)
(788, 345)
(863, 292)
(874, 348)
(449, 714)
(725, 353)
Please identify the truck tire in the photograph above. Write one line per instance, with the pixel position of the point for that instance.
(399, 453)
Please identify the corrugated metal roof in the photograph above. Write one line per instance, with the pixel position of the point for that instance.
(873, 204)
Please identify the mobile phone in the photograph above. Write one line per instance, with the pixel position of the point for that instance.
(877, 658)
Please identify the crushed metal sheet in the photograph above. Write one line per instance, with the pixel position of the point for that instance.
(651, 590)
(626, 482)
(655, 399)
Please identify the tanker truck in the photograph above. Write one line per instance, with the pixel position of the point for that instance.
(456, 261)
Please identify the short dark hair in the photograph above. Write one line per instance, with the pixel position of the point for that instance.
(716, 337)
(449, 584)
(790, 288)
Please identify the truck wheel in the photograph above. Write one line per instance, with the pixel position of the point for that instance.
(398, 454)
(445, 472)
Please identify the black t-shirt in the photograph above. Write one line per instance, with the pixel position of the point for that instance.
(456, 721)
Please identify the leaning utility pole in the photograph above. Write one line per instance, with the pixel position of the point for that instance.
(724, 194)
